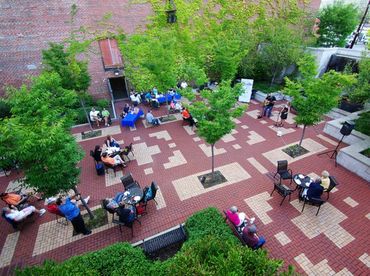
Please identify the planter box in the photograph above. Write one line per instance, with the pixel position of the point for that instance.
(350, 107)
(351, 159)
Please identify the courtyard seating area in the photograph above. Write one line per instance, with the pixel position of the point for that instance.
(327, 239)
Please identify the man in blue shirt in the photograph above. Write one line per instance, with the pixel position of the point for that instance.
(72, 213)
(151, 119)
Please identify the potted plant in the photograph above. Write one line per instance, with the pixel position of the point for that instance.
(359, 94)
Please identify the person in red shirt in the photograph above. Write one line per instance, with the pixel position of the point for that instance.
(187, 116)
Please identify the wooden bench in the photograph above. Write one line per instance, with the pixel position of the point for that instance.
(235, 229)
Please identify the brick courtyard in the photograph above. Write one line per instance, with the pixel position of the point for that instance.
(336, 241)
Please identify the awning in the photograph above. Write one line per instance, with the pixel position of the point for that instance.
(110, 53)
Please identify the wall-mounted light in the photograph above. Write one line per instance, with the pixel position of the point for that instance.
(116, 72)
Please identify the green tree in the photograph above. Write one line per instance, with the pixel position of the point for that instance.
(337, 21)
(215, 113)
(37, 135)
(360, 92)
(313, 97)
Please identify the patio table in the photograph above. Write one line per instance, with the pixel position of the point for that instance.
(133, 195)
(302, 181)
(162, 99)
(131, 118)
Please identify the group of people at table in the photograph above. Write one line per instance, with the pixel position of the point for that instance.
(310, 188)
(112, 154)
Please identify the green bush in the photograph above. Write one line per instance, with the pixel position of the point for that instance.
(102, 103)
(81, 116)
(211, 249)
(363, 123)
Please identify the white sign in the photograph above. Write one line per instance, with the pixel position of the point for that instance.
(247, 85)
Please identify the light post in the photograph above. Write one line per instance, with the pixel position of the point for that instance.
(359, 26)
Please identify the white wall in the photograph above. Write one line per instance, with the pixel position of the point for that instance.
(359, 3)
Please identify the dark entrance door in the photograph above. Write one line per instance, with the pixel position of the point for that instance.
(118, 86)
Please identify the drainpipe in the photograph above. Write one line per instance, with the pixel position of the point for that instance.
(112, 101)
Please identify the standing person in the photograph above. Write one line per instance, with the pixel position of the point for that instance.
(105, 113)
(283, 116)
(269, 104)
(72, 213)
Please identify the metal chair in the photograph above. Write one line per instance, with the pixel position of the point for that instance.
(113, 167)
(146, 197)
(282, 190)
(129, 182)
(127, 150)
(283, 171)
(314, 202)
(332, 185)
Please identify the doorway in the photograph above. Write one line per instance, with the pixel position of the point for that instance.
(118, 86)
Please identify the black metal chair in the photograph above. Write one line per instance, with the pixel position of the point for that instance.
(312, 201)
(149, 193)
(332, 185)
(283, 171)
(113, 167)
(129, 182)
(282, 190)
(126, 151)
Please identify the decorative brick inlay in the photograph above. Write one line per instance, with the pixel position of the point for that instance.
(313, 175)
(260, 206)
(263, 122)
(15, 185)
(196, 139)
(245, 127)
(207, 150)
(254, 113)
(104, 132)
(148, 171)
(326, 139)
(257, 165)
(254, 102)
(351, 202)
(111, 180)
(282, 238)
(326, 222)
(143, 153)
(52, 235)
(161, 135)
(254, 138)
(189, 130)
(190, 186)
(176, 160)
(228, 138)
(137, 138)
(322, 268)
(365, 258)
(368, 216)
(8, 249)
(277, 154)
(172, 145)
(237, 146)
(236, 121)
(282, 129)
(160, 200)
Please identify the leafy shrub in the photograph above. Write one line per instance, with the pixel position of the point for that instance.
(211, 249)
(363, 123)
(102, 103)
(81, 116)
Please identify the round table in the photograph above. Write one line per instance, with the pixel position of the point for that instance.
(133, 195)
(302, 181)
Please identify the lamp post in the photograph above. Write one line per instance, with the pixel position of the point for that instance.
(359, 26)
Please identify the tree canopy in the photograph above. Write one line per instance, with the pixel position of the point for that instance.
(313, 97)
(337, 21)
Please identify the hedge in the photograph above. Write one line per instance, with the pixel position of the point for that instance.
(211, 249)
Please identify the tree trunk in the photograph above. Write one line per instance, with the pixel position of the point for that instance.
(273, 78)
(303, 131)
(84, 203)
(82, 102)
(213, 160)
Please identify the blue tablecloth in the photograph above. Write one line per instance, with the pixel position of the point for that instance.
(162, 99)
(130, 119)
(177, 96)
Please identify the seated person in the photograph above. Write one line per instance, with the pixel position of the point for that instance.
(315, 190)
(126, 213)
(113, 161)
(111, 142)
(105, 113)
(97, 153)
(136, 110)
(151, 119)
(13, 198)
(148, 96)
(52, 207)
(186, 116)
(178, 106)
(15, 215)
(251, 238)
(238, 219)
(325, 180)
(114, 203)
(154, 103)
(135, 99)
(126, 108)
(155, 91)
(94, 116)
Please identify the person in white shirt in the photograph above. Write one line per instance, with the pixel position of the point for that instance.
(14, 214)
(134, 99)
(94, 116)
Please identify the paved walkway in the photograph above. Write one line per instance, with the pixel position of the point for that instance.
(334, 242)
